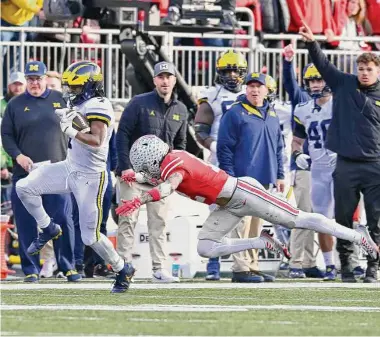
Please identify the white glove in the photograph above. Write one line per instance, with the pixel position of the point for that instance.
(302, 161)
(213, 146)
(66, 114)
(67, 127)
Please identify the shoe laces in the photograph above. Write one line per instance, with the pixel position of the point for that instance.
(367, 246)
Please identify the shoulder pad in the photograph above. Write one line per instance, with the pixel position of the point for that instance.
(98, 108)
(207, 94)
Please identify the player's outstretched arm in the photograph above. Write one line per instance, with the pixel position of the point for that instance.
(161, 191)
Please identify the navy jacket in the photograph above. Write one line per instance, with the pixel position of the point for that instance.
(354, 132)
(148, 114)
(112, 155)
(250, 144)
(30, 127)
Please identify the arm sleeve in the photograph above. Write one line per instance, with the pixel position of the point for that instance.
(27, 4)
(280, 163)
(112, 151)
(8, 133)
(180, 138)
(296, 94)
(329, 72)
(299, 129)
(227, 140)
(124, 134)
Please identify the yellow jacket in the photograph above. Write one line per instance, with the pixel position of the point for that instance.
(17, 12)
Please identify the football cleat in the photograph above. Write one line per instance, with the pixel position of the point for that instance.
(213, 269)
(123, 279)
(367, 243)
(274, 245)
(330, 274)
(51, 232)
(73, 276)
(48, 268)
(31, 278)
(163, 276)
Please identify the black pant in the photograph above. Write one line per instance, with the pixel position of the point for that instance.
(351, 178)
(227, 5)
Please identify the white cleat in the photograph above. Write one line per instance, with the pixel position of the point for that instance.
(48, 268)
(163, 276)
(274, 245)
(367, 243)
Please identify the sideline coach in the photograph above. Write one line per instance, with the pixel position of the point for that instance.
(354, 134)
(157, 113)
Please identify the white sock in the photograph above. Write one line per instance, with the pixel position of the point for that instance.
(321, 224)
(107, 252)
(209, 248)
(329, 258)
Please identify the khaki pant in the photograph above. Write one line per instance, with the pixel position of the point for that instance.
(47, 252)
(302, 240)
(157, 214)
(246, 260)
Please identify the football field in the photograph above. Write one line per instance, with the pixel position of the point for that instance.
(87, 308)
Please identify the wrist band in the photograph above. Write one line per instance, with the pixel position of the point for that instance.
(155, 194)
(296, 153)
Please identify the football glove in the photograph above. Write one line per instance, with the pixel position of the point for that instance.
(66, 114)
(302, 161)
(128, 206)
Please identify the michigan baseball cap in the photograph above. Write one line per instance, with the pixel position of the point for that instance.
(17, 76)
(257, 77)
(164, 67)
(35, 68)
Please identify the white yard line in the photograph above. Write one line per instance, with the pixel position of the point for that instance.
(203, 285)
(187, 308)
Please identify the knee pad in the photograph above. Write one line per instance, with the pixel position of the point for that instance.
(205, 247)
(21, 187)
(87, 239)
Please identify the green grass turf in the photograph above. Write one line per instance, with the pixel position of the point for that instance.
(253, 322)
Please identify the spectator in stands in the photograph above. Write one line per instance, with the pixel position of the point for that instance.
(32, 135)
(16, 86)
(228, 21)
(15, 14)
(373, 15)
(259, 156)
(275, 20)
(349, 22)
(316, 13)
(53, 80)
(358, 166)
(160, 113)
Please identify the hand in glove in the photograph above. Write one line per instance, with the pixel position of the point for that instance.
(302, 160)
(66, 114)
(128, 206)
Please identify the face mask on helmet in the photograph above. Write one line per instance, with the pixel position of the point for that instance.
(147, 154)
(232, 79)
(231, 68)
(311, 73)
(271, 85)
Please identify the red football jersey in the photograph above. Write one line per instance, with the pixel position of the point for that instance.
(201, 181)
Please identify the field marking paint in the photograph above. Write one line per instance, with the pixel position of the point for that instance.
(187, 285)
(188, 308)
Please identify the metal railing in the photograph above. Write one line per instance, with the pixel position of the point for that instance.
(195, 63)
(58, 55)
